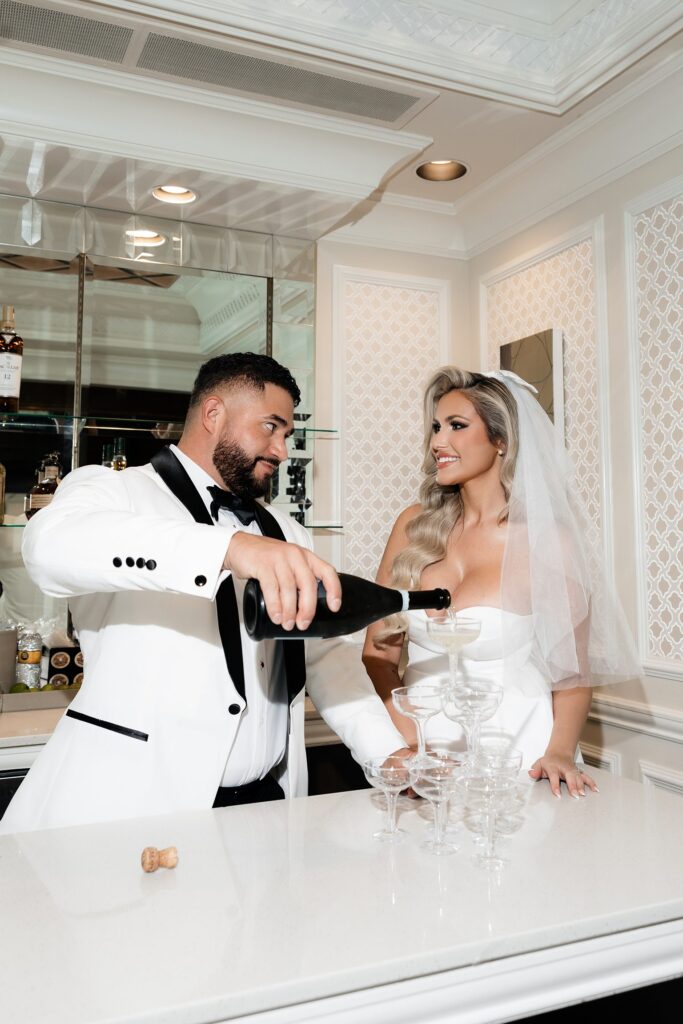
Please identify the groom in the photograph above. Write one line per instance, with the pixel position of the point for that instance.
(179, 709)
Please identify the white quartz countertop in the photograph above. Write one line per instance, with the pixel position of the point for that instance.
(278, 904)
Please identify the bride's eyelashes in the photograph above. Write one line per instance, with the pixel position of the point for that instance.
(453, 424)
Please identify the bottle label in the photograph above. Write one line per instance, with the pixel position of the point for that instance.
(10, 374)
(405, 597)
(39, 500)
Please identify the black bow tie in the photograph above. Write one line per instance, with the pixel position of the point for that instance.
(243, 508)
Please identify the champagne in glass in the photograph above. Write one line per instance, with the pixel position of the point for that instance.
(452, 632)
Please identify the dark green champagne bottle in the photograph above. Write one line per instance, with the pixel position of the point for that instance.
(363, 602)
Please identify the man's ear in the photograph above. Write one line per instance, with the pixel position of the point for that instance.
(212, 413)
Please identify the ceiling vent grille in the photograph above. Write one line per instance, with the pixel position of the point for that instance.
(26, 23)
(229, 69)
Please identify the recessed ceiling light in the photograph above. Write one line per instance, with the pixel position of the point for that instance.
(174, 194)
(441, 170)
(144, 236)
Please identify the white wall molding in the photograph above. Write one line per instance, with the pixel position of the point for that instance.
(591, 153)
(593, 231)
(658, 775)
(540, 253)
(405, 224)
(664, 192)
(573, 131)
(654, 197)
(663, 670)
(633, 353)
(342, 277)
(637, 716)
(599, 757)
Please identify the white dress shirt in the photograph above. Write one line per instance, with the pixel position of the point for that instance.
(261, 739)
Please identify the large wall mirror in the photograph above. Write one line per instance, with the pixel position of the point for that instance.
(113, 342)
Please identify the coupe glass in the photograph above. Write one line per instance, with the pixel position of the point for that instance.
(471, 702)
(452, 632)
(419, 701)
(391, 775)
(491, 810)
(435, 778)
(496, 755)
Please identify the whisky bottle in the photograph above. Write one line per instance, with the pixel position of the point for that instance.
(363, 602)
(11, 355)
(48, 478)
(119, 460)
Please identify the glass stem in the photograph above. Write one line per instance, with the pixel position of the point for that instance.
(420, 730)
(453, 666)
(392, 800)
(439, 823)
(473, 731)
(490, 831)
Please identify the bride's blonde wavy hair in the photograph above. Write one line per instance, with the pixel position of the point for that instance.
(442, 507)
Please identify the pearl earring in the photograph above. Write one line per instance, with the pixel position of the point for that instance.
(501, 452)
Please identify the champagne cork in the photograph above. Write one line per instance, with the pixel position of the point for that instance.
(152, 858)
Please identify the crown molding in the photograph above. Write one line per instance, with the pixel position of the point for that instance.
(327, 164)
(573, 131)
(489, 53)
(179, 93)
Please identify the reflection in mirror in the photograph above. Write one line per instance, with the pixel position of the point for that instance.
(147, 329)
(538, 359)
(44, 292)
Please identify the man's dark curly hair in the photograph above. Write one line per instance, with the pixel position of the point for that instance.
(246, 369)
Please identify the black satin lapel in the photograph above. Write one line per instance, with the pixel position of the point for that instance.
(229, 629)
(179, 483)
(174, 475)
(293, 651)
(268, 523)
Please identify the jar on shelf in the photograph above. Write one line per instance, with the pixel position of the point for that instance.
(29, 651)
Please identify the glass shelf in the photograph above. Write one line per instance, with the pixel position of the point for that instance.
(59, 423)
(309, 526)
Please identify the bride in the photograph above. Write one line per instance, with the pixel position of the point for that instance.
(498, 525)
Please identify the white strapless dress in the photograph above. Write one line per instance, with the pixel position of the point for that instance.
(526, 719)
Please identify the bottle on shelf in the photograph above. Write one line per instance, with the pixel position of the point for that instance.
(108, 455)
(48, 478)
(3, 480)
(363, 602)
(11, 355)
(119, 460)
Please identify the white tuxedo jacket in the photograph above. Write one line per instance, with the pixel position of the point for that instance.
(141, 577)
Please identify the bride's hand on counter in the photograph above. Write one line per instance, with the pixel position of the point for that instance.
(557, 768)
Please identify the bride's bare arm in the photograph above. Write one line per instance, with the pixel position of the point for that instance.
(382, 662)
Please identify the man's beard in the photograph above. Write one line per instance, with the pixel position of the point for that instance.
(237, 470)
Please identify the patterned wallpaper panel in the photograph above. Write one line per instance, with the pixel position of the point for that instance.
(659, 294)
(390, 345)
(559, 292)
